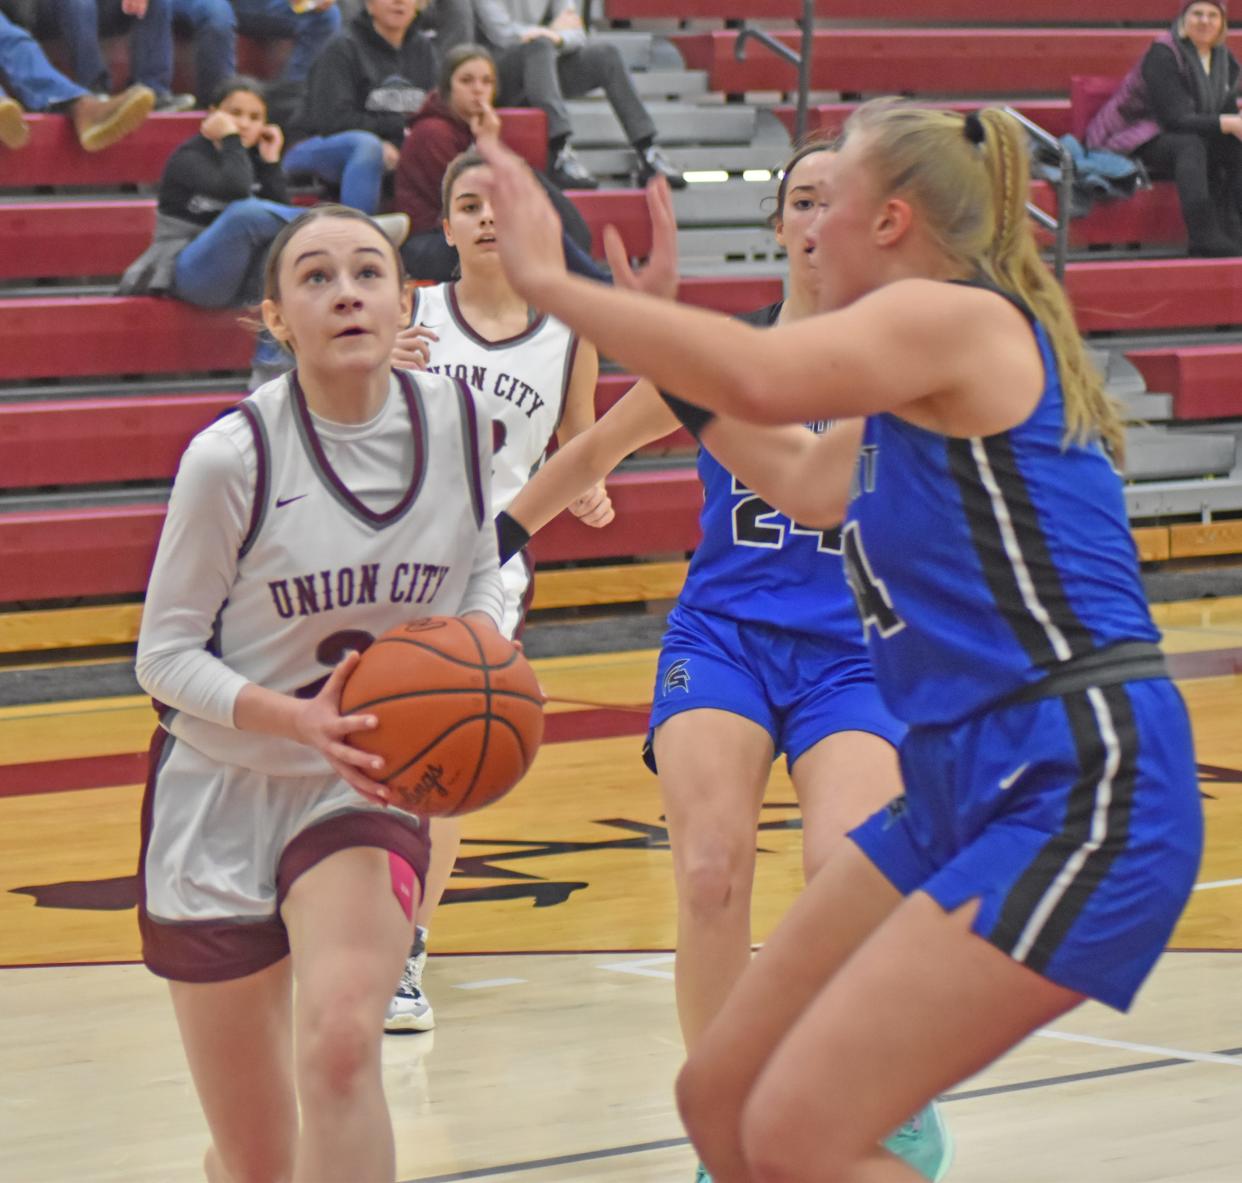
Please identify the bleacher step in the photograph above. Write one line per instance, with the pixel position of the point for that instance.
(1156, 454)
(686, 123)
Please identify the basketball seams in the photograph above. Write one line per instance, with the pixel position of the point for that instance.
(439, 692)
(487, 725)
(481, 763)
(486, 665)
(517, 735)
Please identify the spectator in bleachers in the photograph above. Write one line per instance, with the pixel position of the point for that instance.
(39, 86)
(1177, 111)
(362, 91)
(80, 24)
(443, 129)
(222, 199)
(448, 22)
(216, 23)
(546, 56)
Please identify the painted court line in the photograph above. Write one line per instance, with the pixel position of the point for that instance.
(642, 968)
(1150, 1049)
(514, 1168)
(1218, 883)
(488, 983)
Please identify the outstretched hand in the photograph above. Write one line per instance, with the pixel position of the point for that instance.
(659, 276)
(528, 231)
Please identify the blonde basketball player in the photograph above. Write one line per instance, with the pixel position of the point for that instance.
(534, 378)
(341, 500)
(1051, 828)
(763, 654)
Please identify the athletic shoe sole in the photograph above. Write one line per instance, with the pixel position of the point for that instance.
(14, 130)
(128, 117)
(396, 1024)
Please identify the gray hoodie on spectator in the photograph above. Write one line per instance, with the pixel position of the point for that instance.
(501, 23)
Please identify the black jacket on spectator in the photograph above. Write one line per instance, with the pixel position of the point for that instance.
(1175, 105)
(362, 83)
(200, 179)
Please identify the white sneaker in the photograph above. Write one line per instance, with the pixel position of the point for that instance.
(409, 1009)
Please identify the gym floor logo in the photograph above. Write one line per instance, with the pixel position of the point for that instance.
(502, 879)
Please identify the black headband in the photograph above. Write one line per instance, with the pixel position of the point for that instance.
(973, 128)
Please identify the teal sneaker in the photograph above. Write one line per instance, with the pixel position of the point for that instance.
(924, 1142)
(701, 1175)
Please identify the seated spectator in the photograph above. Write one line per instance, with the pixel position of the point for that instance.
(38, 86)
(1177, 110)
(222, 199)
(362, 91)
(545, 57)
(448, 23)
(80, 23)
(214, 25)
(442, 130)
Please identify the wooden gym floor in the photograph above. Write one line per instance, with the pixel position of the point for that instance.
(557, 1040)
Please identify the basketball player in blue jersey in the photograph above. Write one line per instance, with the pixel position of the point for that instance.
(1051, 830)
(341, 500)
(764, 654)
(533, 379)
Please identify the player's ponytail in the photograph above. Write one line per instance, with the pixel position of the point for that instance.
(1014, 263)
(970, 178)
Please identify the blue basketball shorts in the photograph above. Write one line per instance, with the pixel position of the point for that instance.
(798, 687)
(1074, 821)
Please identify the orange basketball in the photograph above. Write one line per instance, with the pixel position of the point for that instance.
(460, 713)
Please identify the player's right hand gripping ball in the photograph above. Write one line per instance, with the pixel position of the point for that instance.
(460, 713)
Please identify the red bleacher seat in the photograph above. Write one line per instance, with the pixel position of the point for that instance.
(1156, 294)
(58, 239)
(108, 550)
(927, 61)
(140, 437)
(88, 336)
(1204, 380)
(54, 157)
(930, 11)
(102, 440)
(1152, 216)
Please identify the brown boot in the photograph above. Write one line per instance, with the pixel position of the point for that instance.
(100, 123)
(14, 130)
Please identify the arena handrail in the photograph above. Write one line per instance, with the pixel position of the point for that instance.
(1060, 225)
(802, 61)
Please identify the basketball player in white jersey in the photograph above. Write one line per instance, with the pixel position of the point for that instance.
(534, 379)
(342, 499)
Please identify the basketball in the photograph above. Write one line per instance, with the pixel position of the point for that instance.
(460, 714)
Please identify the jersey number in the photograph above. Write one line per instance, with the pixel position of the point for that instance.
(874, 606)
(756, 523)
(331, 652)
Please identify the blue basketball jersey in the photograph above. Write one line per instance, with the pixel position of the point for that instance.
(755, 564)
(980, 565)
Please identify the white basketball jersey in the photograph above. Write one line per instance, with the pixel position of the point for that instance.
(321, 570)
(519, 383)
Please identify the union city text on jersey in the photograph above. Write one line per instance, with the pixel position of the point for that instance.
(344, 587)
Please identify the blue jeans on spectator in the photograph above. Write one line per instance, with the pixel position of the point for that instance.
(215, 24)
(213, 27)
(223, 266)
(353, 160)
(311, 31)
(34, 81)
(150, 42)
